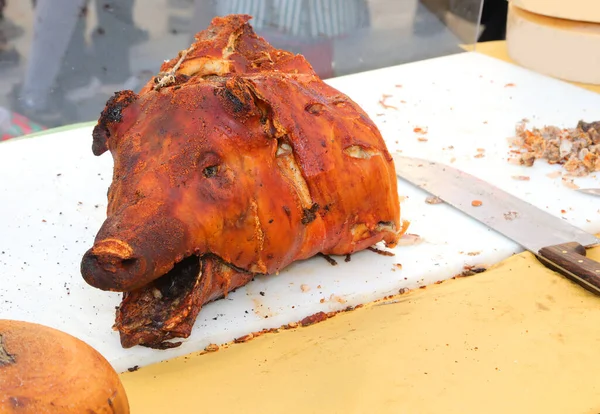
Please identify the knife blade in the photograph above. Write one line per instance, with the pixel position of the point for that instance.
(556, 243)
(590, 191)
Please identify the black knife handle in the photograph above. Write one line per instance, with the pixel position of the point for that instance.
(569, 259)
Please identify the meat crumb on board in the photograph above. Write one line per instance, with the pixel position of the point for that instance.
(384, 104)
(576, 149)
(569, 183)
(315, 318)
(381, 252)
(329, 259)
(433, 200)
(470, 270)
(244, 338)
(554, 174)
(409, 239)
(336, 298)
(211, 348)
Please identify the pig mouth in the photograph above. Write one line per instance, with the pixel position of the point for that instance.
(167, 307)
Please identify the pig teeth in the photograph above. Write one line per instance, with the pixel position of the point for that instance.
(283, 149)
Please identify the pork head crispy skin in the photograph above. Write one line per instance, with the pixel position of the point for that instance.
(235, 160)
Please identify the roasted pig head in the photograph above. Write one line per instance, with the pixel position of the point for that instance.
(235, 160)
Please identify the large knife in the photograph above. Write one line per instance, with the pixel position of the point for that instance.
(557, 244)
(590, 191)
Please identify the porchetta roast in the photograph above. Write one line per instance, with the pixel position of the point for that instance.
(235, 160)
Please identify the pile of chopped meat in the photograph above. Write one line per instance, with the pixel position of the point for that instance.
(577, 149)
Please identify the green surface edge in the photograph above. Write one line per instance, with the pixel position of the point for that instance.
(54, 130)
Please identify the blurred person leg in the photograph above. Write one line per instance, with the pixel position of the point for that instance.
(308, 27)
(328, 20)
(77, 64)
(204, 11)
(113, 38)
(54, 24)
(9, 56)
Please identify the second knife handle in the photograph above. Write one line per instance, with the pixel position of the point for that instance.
(569, 259)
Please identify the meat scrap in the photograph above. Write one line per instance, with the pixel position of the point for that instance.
(379, 251)
(569, 183)
(469, 270)
(315, 318)
(384, 104)
(212, 348)
(409, 239)
(235, 161)
(433, 200)
(576, 149)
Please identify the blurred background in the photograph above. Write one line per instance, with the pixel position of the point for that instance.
(60, 60)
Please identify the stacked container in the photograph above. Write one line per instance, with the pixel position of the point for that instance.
(559, 38)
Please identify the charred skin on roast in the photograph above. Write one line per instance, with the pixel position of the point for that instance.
(237, 159)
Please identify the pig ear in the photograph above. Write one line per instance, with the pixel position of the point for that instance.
(237, 98)
(111, 115)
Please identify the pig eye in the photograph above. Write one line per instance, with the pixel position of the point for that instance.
(211, 171)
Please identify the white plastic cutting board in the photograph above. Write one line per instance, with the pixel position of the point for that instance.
(53, 200)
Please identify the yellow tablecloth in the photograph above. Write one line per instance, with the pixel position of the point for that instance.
(517, 338)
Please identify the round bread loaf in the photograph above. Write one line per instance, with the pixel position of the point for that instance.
(44, 370)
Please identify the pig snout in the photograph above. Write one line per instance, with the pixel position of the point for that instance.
(111, 265)
(127, 255)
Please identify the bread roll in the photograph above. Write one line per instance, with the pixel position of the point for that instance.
(43, 370)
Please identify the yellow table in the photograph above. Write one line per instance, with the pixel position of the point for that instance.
(517, 338)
